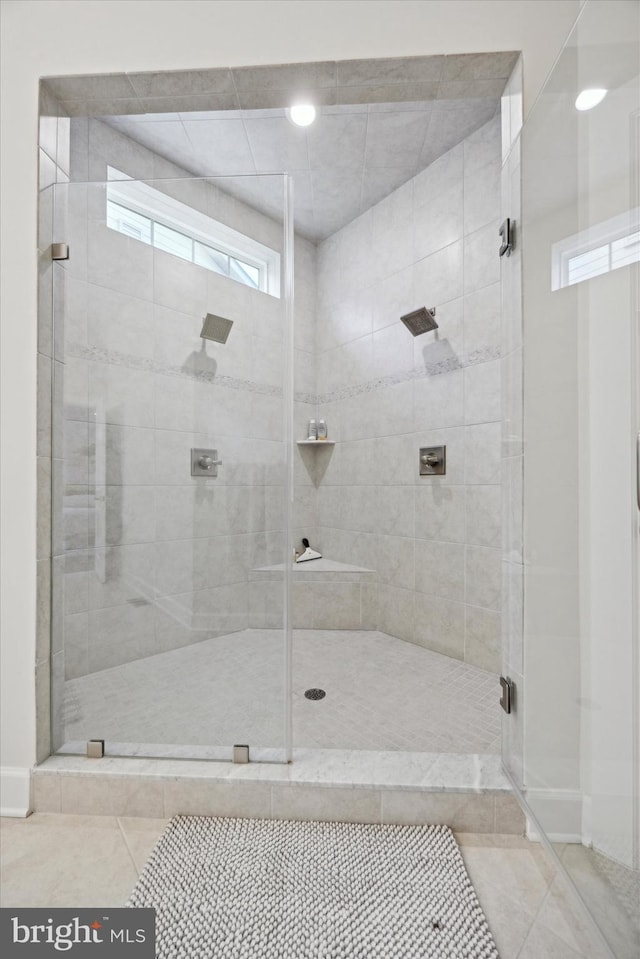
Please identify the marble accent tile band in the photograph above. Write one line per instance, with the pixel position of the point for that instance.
(447, 365)
(126, 360)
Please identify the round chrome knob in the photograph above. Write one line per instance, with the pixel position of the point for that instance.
(206, 462)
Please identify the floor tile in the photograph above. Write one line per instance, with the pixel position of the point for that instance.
(64, 860)
(56, 860)
(140, 836)
(381, 693)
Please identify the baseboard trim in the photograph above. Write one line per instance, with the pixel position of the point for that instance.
(15, 792)
(568, 837)
(560, 810)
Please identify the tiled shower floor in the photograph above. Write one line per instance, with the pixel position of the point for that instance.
(381, 694)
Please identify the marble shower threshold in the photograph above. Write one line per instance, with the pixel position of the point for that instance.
(469, 793)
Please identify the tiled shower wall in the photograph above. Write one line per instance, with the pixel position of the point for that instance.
(153, 558)
(434, 541)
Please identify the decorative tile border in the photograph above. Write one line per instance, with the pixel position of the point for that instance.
(448, 365)
(127, 361)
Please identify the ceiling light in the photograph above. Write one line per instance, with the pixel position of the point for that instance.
(588, 99)
(302, 114)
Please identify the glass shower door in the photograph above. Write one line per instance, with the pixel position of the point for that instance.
(581, 254)
(172, 452)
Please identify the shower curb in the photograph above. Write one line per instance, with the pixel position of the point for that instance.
(467, 793)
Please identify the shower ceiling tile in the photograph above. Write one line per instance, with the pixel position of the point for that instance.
(281, 98)
(180, 83)
(109, 86)
(102, 108)
(263, 193)
(285, 76)
(221, 147)
(337, 142)
(334, 191)
(459, 89)
(158, 134)
(277, 145)
(477, 66)
(396, 139)
(410, 106)
(393, 70)
(388, 92)
(378, 184)
(451, 122)
(350, 159)
(221, 114)
(194, 101)
(148, 118)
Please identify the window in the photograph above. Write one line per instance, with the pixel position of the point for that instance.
(601, 248)
(143, 213)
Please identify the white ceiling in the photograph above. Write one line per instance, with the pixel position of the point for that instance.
(350, 158)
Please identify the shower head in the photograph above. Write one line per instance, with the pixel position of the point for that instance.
(420, 321)
(216, 328)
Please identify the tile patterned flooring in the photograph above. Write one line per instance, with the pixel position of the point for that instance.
(382, 694)
(58, 860)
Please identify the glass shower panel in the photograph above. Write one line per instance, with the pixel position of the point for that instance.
(172, 452)
(581, 519)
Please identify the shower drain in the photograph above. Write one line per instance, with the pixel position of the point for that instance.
(315, 693)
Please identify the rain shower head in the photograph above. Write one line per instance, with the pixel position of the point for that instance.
(420, 321)
(216, 328)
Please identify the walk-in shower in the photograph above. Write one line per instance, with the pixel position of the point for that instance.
(177, 569)
(182, 625)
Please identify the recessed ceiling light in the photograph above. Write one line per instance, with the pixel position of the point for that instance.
(302, 114)
(588, 99)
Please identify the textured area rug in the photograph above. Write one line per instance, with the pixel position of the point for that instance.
(267, 889)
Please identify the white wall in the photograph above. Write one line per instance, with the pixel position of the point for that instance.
(46, 37)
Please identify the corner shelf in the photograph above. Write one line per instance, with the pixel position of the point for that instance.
(315, 442)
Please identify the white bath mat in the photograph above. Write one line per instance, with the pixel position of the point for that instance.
(267, 889)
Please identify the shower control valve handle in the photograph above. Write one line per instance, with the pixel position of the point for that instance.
(430, 459)
(208, 462)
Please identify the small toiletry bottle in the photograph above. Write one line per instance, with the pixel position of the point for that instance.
(322, 429)
(313, 430)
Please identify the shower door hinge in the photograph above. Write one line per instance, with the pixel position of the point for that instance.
(95, 749)
(59, 251)
(506, 232)
(508, 691)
